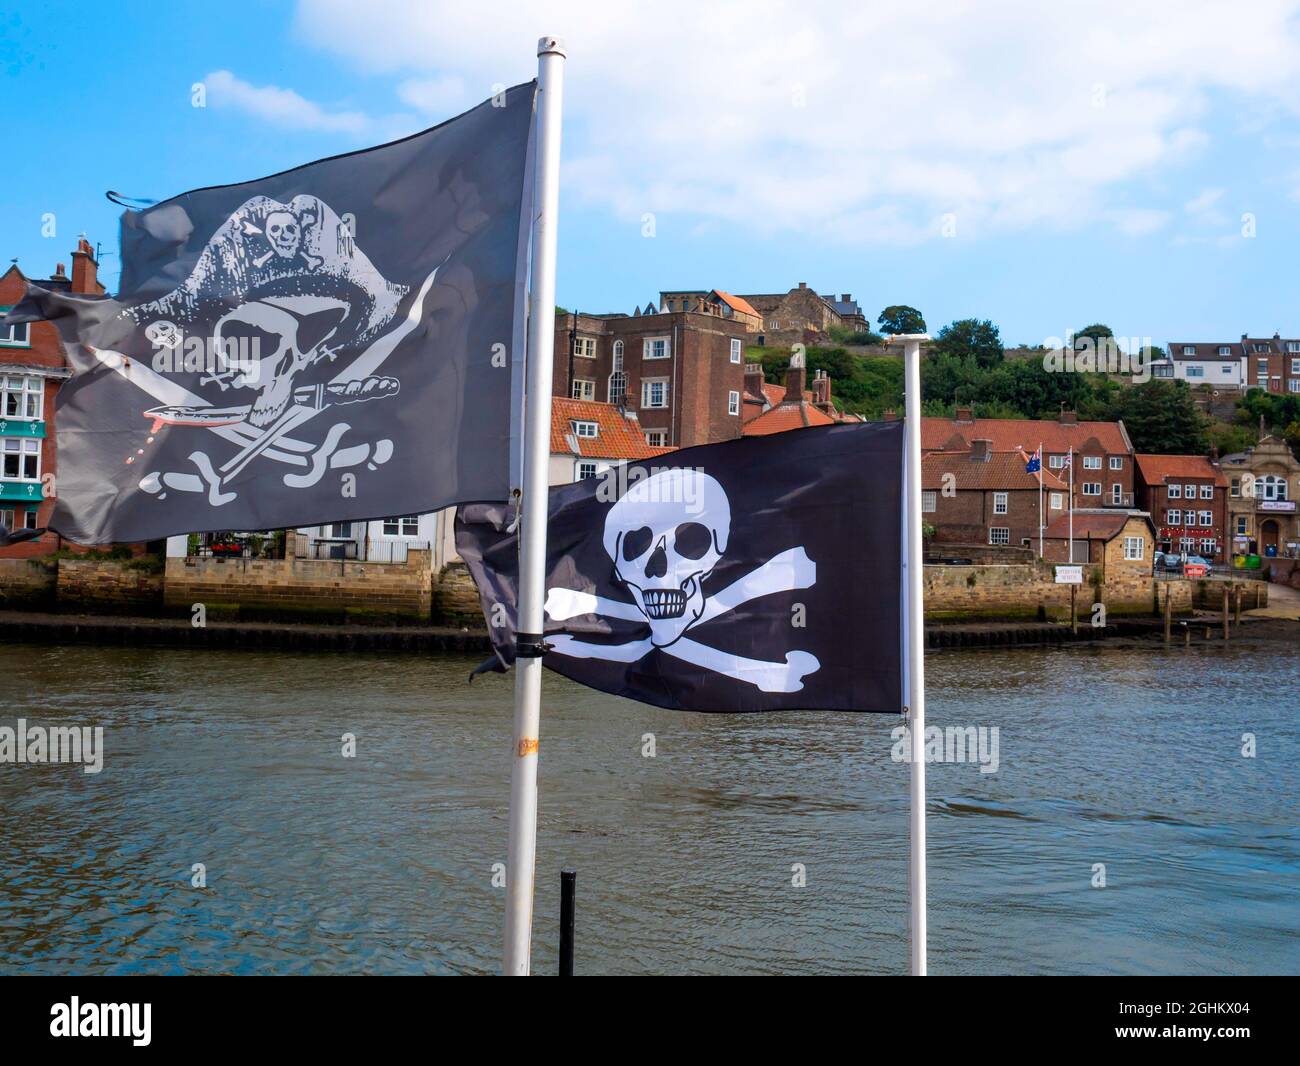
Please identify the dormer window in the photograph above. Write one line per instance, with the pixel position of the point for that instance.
(1189, 349)
(1224, 350)
(586, 429)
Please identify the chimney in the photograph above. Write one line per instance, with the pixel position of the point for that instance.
(84, 268)
(60, 273)
(890, 415)
(803, 285)
(821, 391)
(1068, 418)
(964, 414)
(980, 450)
(795, 378)
(846, 298)
(754, 380)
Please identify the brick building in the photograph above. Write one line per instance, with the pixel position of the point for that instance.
(1121, 542)
(1263, 487)
(1273, 363)
(32, 366)
(801, 316)
(713, 302)
(680, 374)
(1103, 454)
(981, 496)
(587, 438)
(1187, 497)
(799, 403)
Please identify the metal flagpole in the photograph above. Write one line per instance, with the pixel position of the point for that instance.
(532, 552)
(1070, 460)
(914, 641)
(1040, 500)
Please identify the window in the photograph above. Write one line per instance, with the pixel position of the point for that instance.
(1236, 487)
(16, 335)
(999, 503)
(1270, 487)
(735, 350)
(1209, 546)
(1091, 488)
(583, 389)
(586, 429)
(1174, 492)
(929, 502)
(1293, 385)
(1207, 518)
(1196, 371)
(655, 348)
(1225, 370)
(584, 469)
(656, 438)
(1243, 525)
(1261, 347)
(617, 387)
(999, 535)
(1293, 346)
(1186, 544)
(1055, 501)
(1117, 462)
(584, 347)
(22, 396)
(1056, 462)
(1174, 517)
(340, 530)
(1189, 492)
(406, 526)
(1134, 549)
(1207, 492)
(774, 324)
(1295, 366)
(1224, 350)
(654, 392)
(1117, 494)
(733, 402)
(1092, 462)
(1189, 349)
(21, 459)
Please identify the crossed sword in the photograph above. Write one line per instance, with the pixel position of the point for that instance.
(786, 572)
(274, 441)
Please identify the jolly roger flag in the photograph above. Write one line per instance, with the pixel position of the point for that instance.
(758, 574)
(330, 343)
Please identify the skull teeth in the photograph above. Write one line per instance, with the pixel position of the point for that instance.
(664, 603)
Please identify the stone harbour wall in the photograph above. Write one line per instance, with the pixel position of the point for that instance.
(108, 587)
(26, 584)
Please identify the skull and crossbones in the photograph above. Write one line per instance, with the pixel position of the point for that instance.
(284, 232)
(665, 536)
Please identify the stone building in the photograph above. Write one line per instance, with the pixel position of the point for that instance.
(1263, 487)
(1103, 454)
(32, 367)
(801, 316)
(986, 497)
(1121, 542)
(1186, 496)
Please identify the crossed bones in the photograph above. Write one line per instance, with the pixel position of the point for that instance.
(786, 572)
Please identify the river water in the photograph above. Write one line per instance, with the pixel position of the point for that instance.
(687, 860)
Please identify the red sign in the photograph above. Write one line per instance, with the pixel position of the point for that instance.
(1195, 570)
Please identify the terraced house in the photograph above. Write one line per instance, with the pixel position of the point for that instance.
(1187, 497)
(32, 367)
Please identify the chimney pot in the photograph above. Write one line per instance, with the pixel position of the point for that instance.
(963, 414)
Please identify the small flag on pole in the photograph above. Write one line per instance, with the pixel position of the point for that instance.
(332, 342)
(758, 574)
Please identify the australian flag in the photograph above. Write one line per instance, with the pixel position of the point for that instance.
(1035, 463)
(330, 343)
(757, 574)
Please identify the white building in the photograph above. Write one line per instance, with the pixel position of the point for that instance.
(1221, 365)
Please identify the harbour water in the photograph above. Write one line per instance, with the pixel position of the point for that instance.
(687, 861)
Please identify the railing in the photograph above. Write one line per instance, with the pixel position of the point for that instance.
(393, 551)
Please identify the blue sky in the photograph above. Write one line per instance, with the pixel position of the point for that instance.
(1095, 163)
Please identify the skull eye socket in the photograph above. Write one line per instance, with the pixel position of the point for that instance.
(636, 543)
(693, 540)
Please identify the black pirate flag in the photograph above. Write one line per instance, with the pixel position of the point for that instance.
(758, 574)
(329, 343)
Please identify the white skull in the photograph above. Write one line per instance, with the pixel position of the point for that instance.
(665, 536)
(283, 233)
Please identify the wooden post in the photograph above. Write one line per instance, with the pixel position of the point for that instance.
(1169, 610)
(1187, 634)
(1225, 612)
(1236, 606)
(1074, 618)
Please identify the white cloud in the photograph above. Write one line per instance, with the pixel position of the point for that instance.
(283, 107)
(861, 123)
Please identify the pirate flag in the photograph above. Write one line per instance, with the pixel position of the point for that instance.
(757, 574)
(329, 343)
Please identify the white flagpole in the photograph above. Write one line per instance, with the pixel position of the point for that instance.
(1070, 459)
(914, 642)
(1040, 499)
(522, 852)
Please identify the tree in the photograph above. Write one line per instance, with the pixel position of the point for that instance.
(899, 318)
(970, 337)
(1161, 417)
(1097, 332)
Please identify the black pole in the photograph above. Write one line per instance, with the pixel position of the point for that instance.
(568, 889)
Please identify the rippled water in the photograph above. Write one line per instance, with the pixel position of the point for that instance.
(382, 863)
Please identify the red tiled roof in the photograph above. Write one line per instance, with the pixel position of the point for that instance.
(1007, 434)
(1091, 525)
(618, 437)
(1002, 471)
(786, 416)
(1156, 469)
(737, 303)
